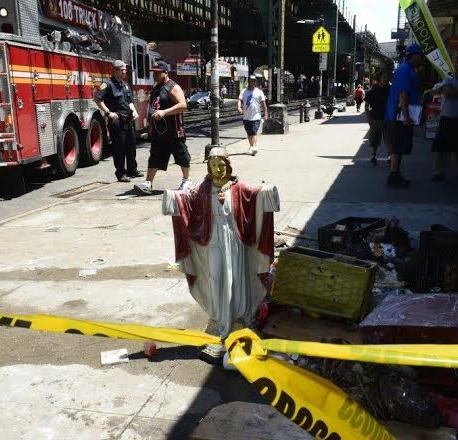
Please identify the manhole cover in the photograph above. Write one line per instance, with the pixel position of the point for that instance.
(79, 190)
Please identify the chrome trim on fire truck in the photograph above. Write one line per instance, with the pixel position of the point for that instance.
(45, 130)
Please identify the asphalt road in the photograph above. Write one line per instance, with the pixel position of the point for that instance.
(45, 188)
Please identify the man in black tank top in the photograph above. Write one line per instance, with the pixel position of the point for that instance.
(166, 129)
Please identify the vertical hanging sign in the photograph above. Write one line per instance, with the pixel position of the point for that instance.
(425, 31)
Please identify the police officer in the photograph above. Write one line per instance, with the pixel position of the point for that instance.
(114, 99)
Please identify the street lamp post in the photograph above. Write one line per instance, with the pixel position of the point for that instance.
(319, 111)
(196, 52)
(353, 70)
(334, 73)
(281, 51)
(214, 79)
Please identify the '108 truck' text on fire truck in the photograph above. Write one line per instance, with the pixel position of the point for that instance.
(53, 55)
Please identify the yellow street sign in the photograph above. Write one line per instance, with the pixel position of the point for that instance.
(321, 48)
(321, 36)
(321, 40)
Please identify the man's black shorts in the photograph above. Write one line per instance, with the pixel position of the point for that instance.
(163, 147)
(402, 138)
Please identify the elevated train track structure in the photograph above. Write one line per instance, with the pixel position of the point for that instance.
(255, 29)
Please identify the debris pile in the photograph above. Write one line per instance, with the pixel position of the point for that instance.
(370, 274)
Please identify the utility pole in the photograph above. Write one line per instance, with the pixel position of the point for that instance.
(270, 51)
(214, 78)
(281, 50)
(197, 67)
(334, 74)
(353, 69)
(319, 111)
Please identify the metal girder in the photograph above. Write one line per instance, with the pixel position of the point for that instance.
(273, 14)
(192, 12)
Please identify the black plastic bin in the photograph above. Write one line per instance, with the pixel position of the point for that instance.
(351, 237)
(437, 261)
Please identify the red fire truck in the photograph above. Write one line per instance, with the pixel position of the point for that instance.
(53, 55)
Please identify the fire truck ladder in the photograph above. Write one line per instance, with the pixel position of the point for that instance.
(8, 148)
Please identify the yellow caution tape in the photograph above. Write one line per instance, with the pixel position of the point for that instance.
(112, 330)
(310, 401)
(415, 354)
(313, 403)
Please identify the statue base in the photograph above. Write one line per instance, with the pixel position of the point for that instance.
(213, 354)
(278, 120)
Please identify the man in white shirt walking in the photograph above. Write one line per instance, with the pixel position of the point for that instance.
(249, 104)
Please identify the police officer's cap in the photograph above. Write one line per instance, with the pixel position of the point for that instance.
(119, 64)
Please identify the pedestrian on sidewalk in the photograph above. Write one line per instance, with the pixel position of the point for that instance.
(445, 144)
(223, 93)
(166, 129)
(375, 108)
(249, 104)
(114, 99)
(404, 91)
(359, 96)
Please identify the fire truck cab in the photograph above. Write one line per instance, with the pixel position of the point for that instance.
(54, 54)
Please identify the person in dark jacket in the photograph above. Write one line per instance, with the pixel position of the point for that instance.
(375, 107)
(114, 99)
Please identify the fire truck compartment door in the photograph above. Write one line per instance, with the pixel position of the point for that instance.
(41, 75)
(45, 129)
(24, 108)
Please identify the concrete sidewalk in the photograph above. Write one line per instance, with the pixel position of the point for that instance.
(108, 254)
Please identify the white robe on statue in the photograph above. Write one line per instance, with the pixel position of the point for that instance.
(227, 285)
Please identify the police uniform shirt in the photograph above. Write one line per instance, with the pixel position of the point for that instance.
(116, 96)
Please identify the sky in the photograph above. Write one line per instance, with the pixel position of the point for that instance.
(380, 16)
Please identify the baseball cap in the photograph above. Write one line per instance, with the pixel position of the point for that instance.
(252, 77)
(160, 66)
(119, 64)
(414, 49)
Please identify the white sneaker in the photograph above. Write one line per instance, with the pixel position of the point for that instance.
(186, 185)
(252, 150)
(145, 187)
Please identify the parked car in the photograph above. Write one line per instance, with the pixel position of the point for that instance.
(199, 100)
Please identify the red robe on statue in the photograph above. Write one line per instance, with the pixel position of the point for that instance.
(195, 220)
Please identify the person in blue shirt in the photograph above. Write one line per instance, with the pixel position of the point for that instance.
(405, 91)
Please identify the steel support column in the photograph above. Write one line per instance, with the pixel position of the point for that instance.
(214, 73)
(276, 47)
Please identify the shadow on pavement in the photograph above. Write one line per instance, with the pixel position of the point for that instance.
(15, 182)
(231, 386)
(348, 119)
(169, 354)
(360, 190)
(137, 193)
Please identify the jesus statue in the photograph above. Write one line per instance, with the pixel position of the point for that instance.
(224, 241)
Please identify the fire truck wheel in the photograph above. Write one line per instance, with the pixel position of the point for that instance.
(68, 151)
(93, 143)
